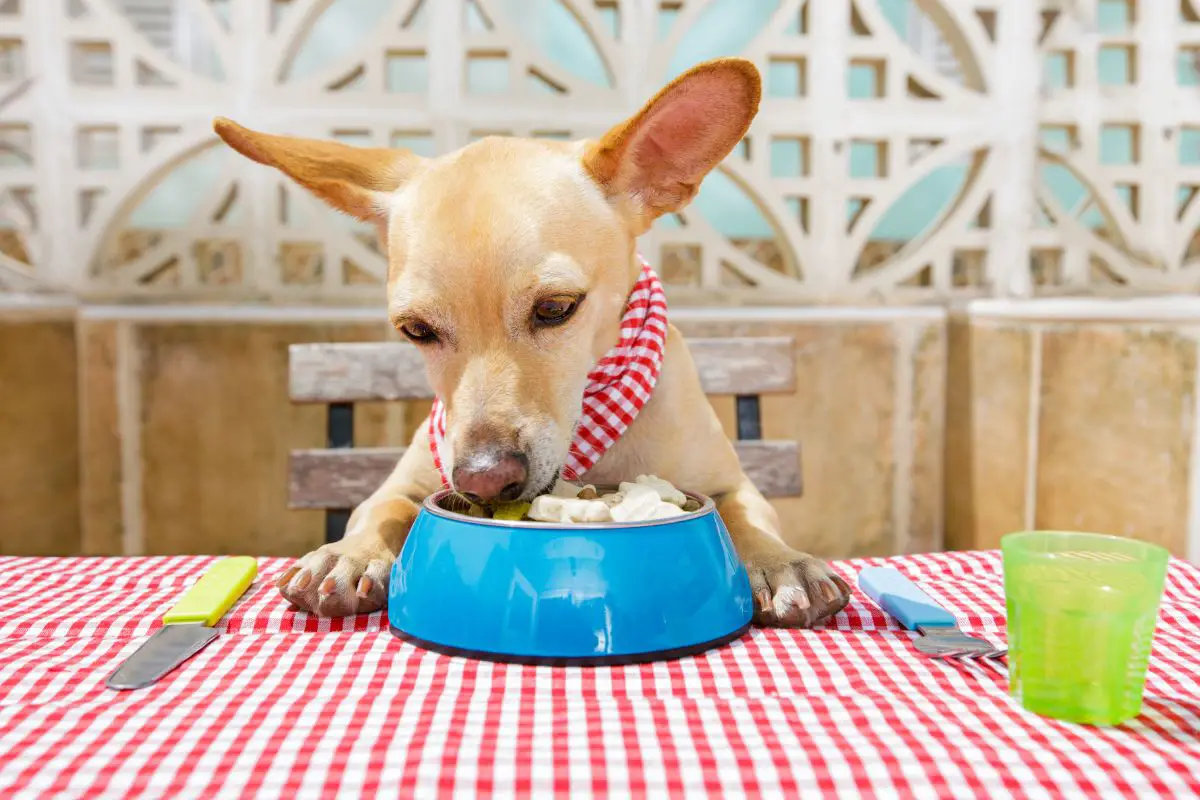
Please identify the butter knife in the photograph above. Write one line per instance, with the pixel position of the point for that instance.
(188, 626)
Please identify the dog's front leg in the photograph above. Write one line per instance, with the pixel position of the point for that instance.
(791, 589)
(350, 576)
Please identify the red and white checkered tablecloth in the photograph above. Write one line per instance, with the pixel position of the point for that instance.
(286, 704)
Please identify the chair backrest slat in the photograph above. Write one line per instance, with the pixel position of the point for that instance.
(343, 478)
(749, 365)
(348, 373)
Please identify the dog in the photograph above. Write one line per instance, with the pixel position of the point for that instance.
(510, 263)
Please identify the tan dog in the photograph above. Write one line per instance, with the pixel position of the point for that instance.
(509, 264)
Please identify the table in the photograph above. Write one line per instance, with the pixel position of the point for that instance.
(285, 703)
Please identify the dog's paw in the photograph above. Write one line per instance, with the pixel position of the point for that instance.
(339, 579)
(795, 590)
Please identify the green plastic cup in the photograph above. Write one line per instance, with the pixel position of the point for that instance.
(1081, 614)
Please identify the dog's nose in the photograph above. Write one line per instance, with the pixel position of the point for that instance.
(488, 476)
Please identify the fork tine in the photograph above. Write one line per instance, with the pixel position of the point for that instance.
(994, 652)
(971, 655)
(955, 654)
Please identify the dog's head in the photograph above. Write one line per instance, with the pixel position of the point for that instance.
(510, 260)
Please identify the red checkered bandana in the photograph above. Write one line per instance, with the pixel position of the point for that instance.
(618, 386)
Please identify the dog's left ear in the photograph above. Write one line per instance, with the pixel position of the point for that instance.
(354, 180)
(658, 157)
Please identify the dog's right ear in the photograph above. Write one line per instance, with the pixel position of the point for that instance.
(657, 158)
(355, 180)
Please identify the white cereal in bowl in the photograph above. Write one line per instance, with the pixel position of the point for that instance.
(648, 497)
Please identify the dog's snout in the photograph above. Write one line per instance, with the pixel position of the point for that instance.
(491, 475)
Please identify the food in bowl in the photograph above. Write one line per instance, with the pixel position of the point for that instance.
(645, 498)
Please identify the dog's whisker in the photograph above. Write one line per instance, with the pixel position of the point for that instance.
(457, 503)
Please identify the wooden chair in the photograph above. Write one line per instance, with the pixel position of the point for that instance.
(340, 476)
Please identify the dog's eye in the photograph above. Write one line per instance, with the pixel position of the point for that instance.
(554, 310)
(418, 332)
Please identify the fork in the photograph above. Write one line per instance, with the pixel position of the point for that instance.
(940, 636)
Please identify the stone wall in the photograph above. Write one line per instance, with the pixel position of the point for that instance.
(1073, 414)
(166, 430)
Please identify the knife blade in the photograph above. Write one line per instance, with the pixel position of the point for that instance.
(188, 626)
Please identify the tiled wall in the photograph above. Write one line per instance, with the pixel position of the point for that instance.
(1073, 415)
(39, 434)
(167, 430)
(868, 414)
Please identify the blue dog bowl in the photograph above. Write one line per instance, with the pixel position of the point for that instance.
(599, 593)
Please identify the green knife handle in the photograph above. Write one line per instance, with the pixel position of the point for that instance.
(216, 591)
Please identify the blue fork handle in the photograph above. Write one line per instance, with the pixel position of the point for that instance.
(903, 599)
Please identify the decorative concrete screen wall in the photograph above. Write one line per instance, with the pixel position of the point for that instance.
(904, 152)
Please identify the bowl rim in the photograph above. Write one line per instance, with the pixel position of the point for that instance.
(1022, 538)
(430, 504)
